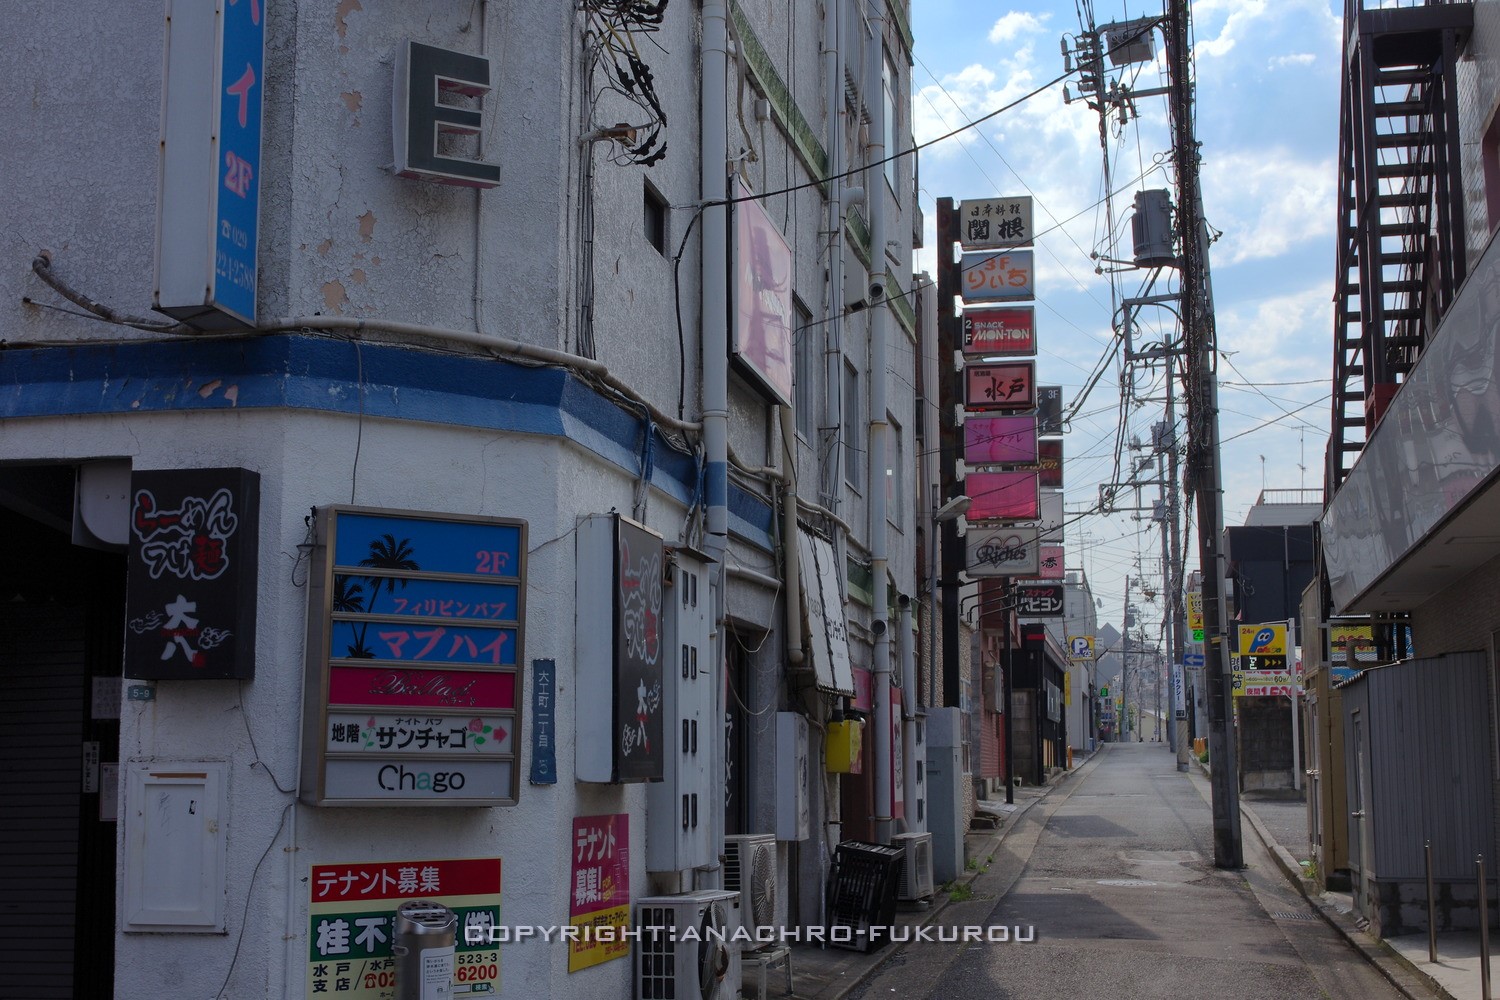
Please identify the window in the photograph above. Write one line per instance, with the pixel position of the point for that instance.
(805, 378)
(853, 427)
(895, 475)
(889, 80)
(655, 218)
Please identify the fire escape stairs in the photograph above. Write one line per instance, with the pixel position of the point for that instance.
(1401, 250)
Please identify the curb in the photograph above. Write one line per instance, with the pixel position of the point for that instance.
(1391, 964)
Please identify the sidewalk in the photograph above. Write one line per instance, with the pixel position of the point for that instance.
(832, 973)
(1280, 821)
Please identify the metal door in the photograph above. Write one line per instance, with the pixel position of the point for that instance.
(1359, 828)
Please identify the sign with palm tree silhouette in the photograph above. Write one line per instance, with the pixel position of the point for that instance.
(416, 645)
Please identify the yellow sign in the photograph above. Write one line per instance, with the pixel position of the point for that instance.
(1080, 647)
(1195, 612)
(1263, 640)
(1068, 689)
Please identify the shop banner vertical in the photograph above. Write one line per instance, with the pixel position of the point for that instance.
(599, 891)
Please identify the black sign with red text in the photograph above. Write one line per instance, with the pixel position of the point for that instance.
(1040, 600)
(191, 591)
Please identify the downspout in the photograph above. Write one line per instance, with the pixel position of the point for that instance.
(833, 352)
(907, 647)
(791, 565)
(714, 358)
(875, 200)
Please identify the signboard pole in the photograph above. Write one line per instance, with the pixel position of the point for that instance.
(1291, 627)
(950, 396)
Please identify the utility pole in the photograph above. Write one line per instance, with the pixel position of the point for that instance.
(1203, 435)
(1174, 579)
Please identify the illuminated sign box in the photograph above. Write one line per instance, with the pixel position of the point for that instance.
(999, 332)
(761, 340)
(1002, 496)
(1000, 441)
(413, 659)
(1009, 551)
(998, 277)
(1007, 386)
(995, 222)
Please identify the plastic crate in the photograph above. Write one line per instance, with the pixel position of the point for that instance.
(865, 878)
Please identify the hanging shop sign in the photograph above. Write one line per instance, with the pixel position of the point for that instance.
(352, 916)
(1000, 332)
(1000, 441)
(208, 201)
(1001, 552)
(437, 98)
(1051, 521)
(1080, 647)
(995, 222)
(1007, 386)
(599, 890)
(1049, 464)
(1002, 496)
(1049, 410)
(1263, 640)
(413, 679)
(998, 277)
(1040, 600)
(761, 341)
(1052, 563)
(824, 605)
(193, 563)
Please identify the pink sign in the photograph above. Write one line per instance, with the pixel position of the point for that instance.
(763, 316)
(599, 891)
(387, 688)
(1051, 563)
(1002, 496)
(1000, 441)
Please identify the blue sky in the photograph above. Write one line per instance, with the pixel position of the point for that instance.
(1267, 91)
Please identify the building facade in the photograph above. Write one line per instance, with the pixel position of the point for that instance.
(377, 565)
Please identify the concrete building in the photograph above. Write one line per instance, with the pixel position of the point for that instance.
(1408, 532)
(444, 502)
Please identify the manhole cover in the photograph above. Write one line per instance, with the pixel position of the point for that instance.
(1288, 915)
(1126, 882)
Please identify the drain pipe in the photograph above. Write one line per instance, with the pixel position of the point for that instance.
(714, 358)
(833, 350)
(907, 648)
(790, 557)
(879, 427)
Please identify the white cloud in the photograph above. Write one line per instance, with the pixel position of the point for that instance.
(1016, 23)
(1294, 59)
(1267, 201)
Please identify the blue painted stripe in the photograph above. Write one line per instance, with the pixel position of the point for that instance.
(322, 374)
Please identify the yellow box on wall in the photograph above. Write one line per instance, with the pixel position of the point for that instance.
(844, 748)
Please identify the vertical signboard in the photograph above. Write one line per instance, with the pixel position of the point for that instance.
(599, 890)
(1049, 410)
(413, 659)
(352, 912)
(1051, 563)
(544, 722)
(191, 596)
(1050, 463)
(208, 203)
(824, 603)
(762, 289)
(639, 557)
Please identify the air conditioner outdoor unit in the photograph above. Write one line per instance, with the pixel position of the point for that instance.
(916, 865)
(672, 963)
(750, 870)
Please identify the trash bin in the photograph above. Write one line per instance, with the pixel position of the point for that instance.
(424, 941)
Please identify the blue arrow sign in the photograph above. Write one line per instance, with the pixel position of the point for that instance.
(1192, 659)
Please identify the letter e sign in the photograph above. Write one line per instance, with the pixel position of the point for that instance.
(420, 120)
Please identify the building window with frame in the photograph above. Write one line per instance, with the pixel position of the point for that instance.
(854, 427)
(895, 475)
(805, 377)
(889, 79)
(655, 218)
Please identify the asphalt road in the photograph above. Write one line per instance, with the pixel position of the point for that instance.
(1112, 873)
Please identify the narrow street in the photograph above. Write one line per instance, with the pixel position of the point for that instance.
(1114, 872)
